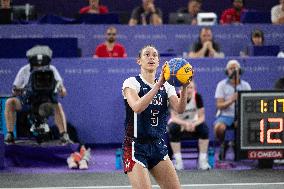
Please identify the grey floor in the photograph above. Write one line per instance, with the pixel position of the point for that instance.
(221, 179)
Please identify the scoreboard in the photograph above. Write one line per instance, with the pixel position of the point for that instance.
(260, 124)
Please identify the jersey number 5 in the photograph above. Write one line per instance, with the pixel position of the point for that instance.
(154, 118)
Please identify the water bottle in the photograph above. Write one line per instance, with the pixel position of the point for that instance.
(118, 159)
(211, 157)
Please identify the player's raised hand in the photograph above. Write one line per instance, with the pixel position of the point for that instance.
(162, 80)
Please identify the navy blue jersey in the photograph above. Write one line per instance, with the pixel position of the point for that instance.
(151, 123)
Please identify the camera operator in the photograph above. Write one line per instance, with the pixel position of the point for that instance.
(39, 58)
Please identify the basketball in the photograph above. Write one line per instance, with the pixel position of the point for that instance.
(178, 71)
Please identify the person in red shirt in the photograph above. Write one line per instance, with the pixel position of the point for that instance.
(110, 48)
(233, 15)
(94, 8)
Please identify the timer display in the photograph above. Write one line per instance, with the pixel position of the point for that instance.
(261, 115)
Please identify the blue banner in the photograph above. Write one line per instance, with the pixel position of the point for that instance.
(94, 103)
(167, 38)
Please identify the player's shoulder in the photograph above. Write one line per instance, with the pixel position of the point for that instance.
(131, 80)
(167, 85)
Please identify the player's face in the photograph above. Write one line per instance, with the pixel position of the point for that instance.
(149, 59)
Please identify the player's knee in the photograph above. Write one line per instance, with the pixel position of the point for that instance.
(174, 132)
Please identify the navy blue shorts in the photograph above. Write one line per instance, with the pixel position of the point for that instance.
(146, 154)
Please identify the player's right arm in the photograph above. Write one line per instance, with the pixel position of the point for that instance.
(136, 103)
(139, 104)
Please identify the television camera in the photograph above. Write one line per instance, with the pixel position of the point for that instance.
(41, 91)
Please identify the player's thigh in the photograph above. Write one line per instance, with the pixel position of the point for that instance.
(165, 175)
(139, 177)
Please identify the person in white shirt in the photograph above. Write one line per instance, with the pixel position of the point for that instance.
(277, 13)
(226, 96)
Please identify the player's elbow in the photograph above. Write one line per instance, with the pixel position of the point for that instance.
(137, 110)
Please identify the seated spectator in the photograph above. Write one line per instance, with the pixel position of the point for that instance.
(256, 38)
(143, 13)
(193, 8)
(5, 12)
(110, 48)
(233, 15)
(205, 46)
(226, 96)
(94, 7)
(277, 13)
(155, 20)
(188, 124)
(5, 4)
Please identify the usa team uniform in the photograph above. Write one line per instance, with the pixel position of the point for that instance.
(143, 141)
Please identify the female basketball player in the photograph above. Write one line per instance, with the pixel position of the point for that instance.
(146, 102)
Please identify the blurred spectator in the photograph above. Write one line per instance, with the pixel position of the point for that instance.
(280, 54)
(205, 46)
(277, 13)
(5, 4)
(226, 95)
(279, 84)
(193, 8)
(94, 7)
(5, 12)
(256, 38)
(142, 14)
(155, 20)
(110, 48)
(190, 124)
(233, 15)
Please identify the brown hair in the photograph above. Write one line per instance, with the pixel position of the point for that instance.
(141, 50)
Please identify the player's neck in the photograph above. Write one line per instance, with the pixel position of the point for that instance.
(148, 76)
